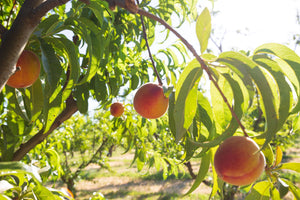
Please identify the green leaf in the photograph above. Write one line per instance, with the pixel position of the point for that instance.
(243, 66)
(18, 169)
(81, 94)
(37, 99)
(44, 194)
(48, 25)
(282, 187)
(221, 111)
(51, 64)
(290, 66)
(275, 195)
(171, 113)
(293, 189)
(233, 125)
(205, 113)
(291, 166)
(204, 166)
(184, 101)
(278, 156)
(203, 28)
(73, 58)
(216, 186)
(261, 190)
(15, 100)
(134, 81)
(54, 159)
(96, 44)
(97, 9)
(52, 107)
(100, 88)
(282, 87)
(269, 155)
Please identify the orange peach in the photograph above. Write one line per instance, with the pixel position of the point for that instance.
(116, 109)
(28, 70)
(238, 161)
(150, 101)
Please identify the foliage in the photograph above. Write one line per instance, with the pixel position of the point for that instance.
(21, 181)
(88, 51)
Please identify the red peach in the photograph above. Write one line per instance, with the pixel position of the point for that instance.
(28, 70)
(116, 109)
(150, 101)
(238, 161)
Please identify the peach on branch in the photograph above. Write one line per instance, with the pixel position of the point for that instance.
(150, 101)
(27, 70)
(239, 161)
(116, 109)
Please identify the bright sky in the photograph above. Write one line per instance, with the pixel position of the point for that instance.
(259, 21)
(246, 24)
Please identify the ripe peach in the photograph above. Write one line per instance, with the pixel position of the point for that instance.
(150, 101)
(116, 109)
(28, 70)
(238, 161)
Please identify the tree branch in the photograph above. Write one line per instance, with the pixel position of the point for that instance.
(126, 4)
(46, 6)
(71, 108)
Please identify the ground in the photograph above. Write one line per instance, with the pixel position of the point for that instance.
(125, 182)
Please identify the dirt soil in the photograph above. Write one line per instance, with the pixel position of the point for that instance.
(114, 183)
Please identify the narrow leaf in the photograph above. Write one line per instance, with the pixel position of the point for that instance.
(261, 190)
(291, 65)
(203, 28)
(51, 64)
(37, 99)
(188, 81)
(244, 66)
(204, 166)
(278, 156)
(293, 189)
(81, 94)
(291, 166)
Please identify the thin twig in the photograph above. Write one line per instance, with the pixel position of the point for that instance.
(148, 48)
(218, 46)
(202, 63)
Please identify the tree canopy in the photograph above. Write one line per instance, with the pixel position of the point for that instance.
(95, 49)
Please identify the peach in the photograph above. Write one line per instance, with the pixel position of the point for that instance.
(238, 161)
(28, 70)
(150, 101)
(116, 109)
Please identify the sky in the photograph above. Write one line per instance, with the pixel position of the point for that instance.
(259, 21)
(246, 24)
